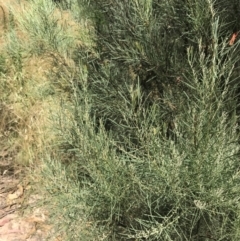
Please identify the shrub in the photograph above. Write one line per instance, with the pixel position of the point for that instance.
(154, 128)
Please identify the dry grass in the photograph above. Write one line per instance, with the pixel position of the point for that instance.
(33, 84)
(28, 95)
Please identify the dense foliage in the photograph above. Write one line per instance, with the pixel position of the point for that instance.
(151, 126)
(161, 161)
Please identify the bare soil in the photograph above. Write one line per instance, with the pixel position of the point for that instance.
(16, 224)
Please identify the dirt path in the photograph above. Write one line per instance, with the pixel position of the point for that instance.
(15, 223)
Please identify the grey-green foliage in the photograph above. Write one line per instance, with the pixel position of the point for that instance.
(138, 59)
(15, 50)
(142, 56)
(154, 128)
(3, 68)
(41, 22)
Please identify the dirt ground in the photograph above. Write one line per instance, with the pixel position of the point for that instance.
(15, 223)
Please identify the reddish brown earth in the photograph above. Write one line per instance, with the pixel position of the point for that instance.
(16, 222)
